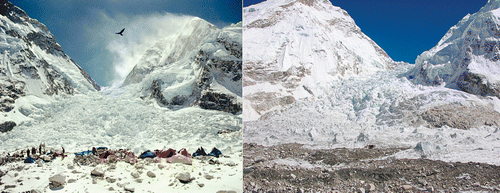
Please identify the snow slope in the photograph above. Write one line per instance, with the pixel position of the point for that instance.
(195, 66)
(467, 57)
(32, 63)
(293, 48)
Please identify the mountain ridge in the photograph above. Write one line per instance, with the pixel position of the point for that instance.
(467, 57)
(33, 63)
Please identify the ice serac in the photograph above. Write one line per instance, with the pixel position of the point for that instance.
(198, 65)
(32, 63)
(294, 48)
(467, 58)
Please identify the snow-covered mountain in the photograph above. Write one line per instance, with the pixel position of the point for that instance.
(467, 57)
(384, 108)
(32, 63)
(162, 104)
(293, 48)
(199, 65)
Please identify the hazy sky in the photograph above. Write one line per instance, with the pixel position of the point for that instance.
(86, 29)
(405, 28)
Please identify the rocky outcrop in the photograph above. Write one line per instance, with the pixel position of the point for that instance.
(461, 117)
(9, 92)
(7, 126)
(214, 100)
(476, 84)
(220, 102)
(156, 93)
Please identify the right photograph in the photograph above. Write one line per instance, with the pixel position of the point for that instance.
(415, 107)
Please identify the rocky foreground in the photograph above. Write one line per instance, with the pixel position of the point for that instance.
(68, 172)
(293, 168)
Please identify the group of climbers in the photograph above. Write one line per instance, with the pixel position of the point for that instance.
(34, 154)
(104, 155)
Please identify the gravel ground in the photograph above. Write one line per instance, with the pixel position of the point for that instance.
(293, 168)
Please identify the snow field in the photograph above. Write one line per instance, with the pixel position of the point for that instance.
(379, 110)
(83, 121)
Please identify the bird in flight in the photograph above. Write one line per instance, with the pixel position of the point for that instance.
(121, 32)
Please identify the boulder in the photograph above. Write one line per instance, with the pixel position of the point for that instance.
(184, 177)
(57, 180)
(97, 172)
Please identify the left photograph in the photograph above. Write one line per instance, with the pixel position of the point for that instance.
(121, 96)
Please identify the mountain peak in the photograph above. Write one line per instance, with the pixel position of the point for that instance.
(467, 57)
(33, 63)
(296, 48)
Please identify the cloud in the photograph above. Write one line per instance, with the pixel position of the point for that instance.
(141, 33)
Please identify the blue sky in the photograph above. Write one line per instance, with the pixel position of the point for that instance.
(85, 29)
(405, 28)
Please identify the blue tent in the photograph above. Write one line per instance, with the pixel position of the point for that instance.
(215, 152)
(83, 153)
(29, 160)
(147, 154)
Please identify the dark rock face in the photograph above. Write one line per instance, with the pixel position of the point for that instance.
(233, 47)
(474, 84)
(230, 68)
(9, 92)
(7, 126)
(156, 93)
(178, 100)
(47, 43)
(220, 102)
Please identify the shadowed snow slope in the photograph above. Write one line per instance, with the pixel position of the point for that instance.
(467, 57)
(293, 48)
(32, 63)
